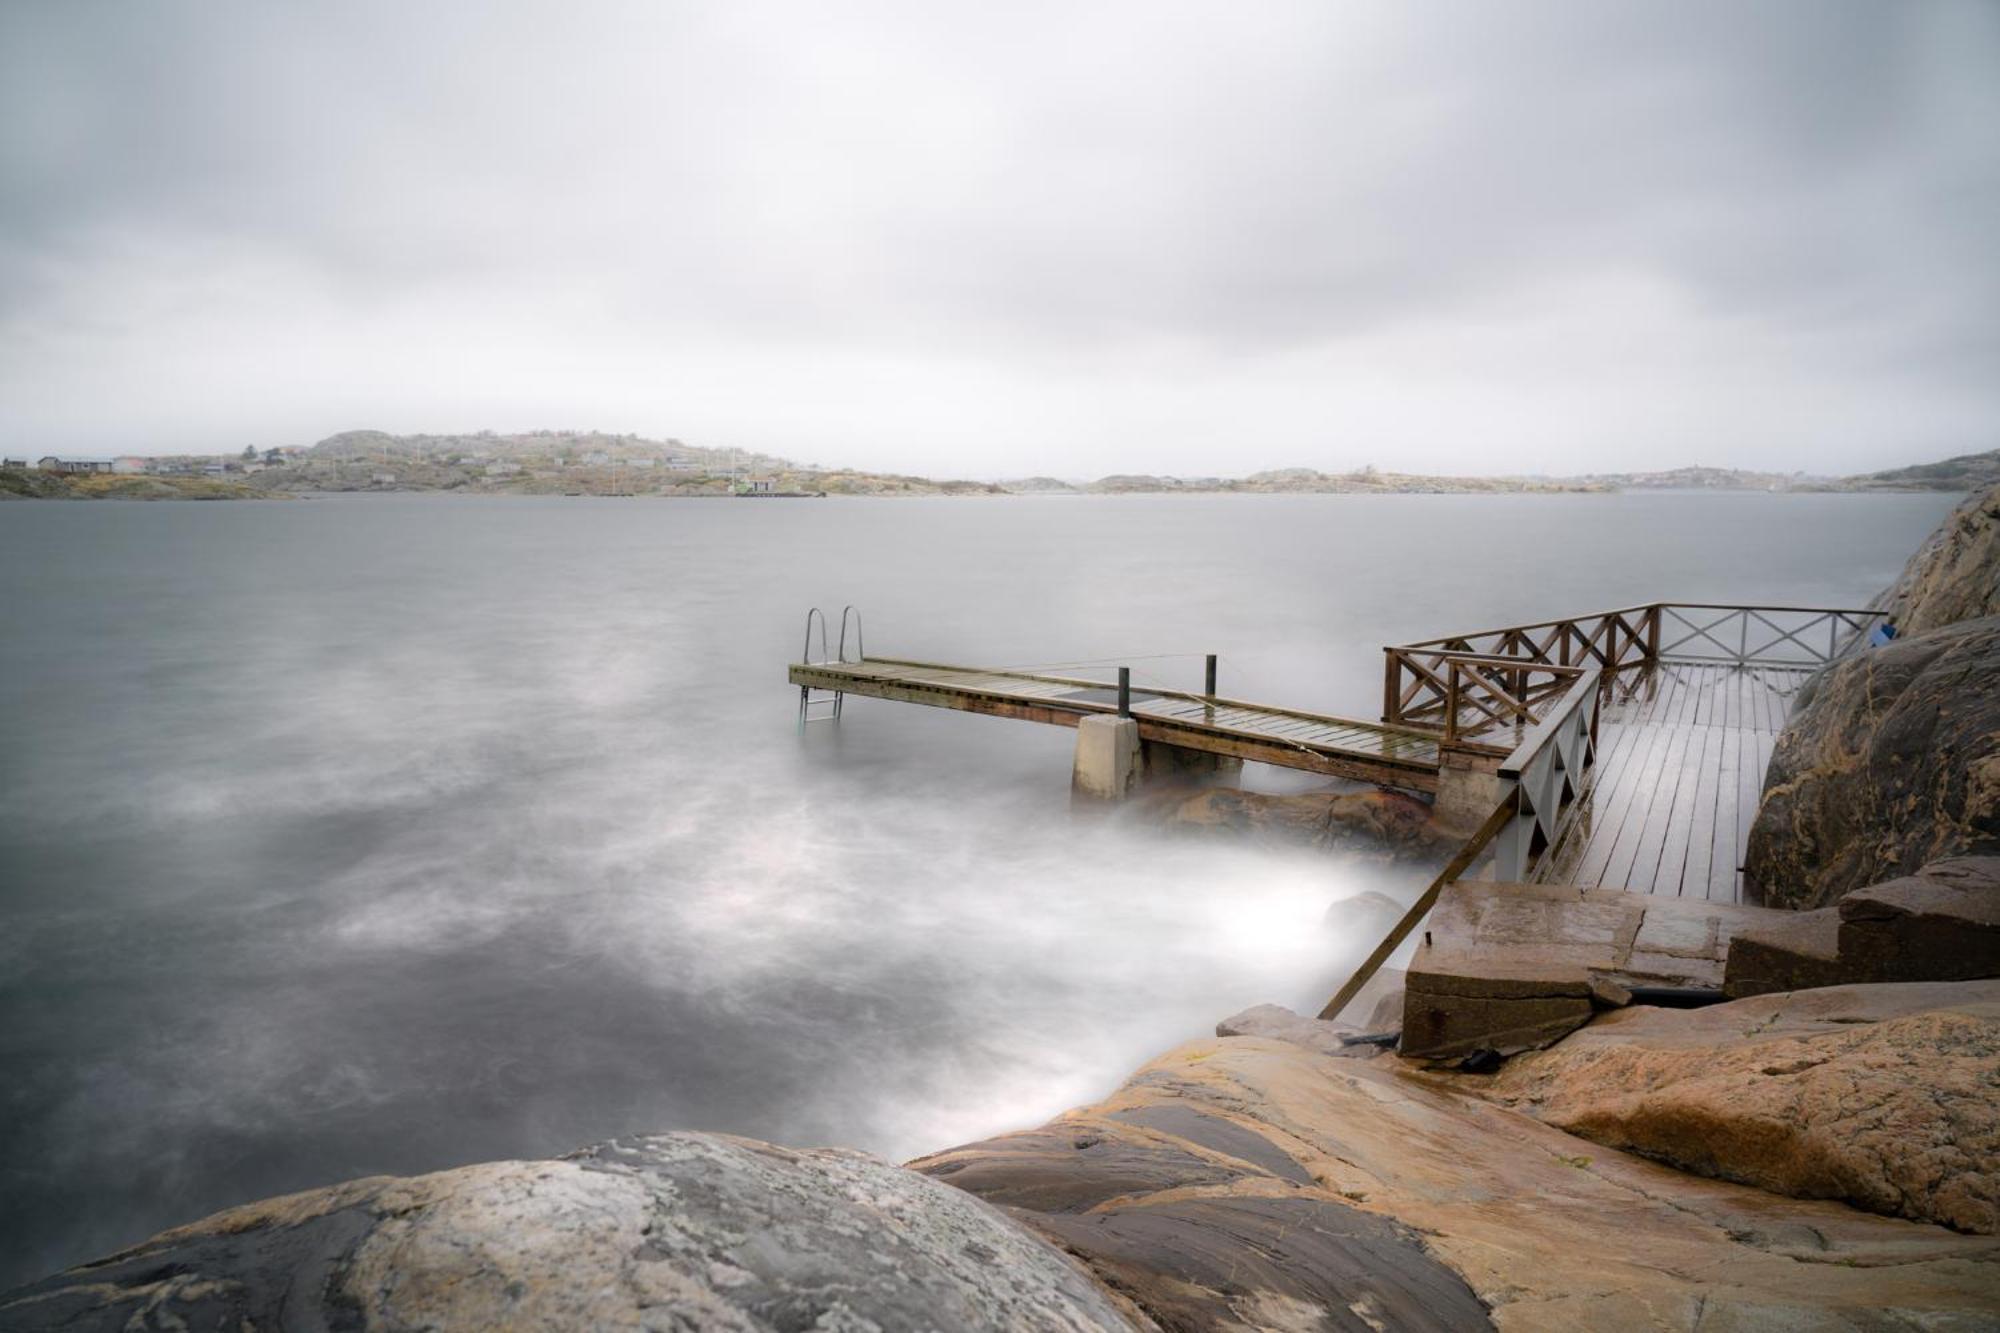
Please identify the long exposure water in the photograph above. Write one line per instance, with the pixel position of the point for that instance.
(384, 834)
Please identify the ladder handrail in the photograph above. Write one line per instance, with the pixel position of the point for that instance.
(860, 649)
(805, 653)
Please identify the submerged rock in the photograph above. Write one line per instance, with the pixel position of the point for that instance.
(676, 1231)
(1377, 821)
(1891, 761)
(1884, 1096)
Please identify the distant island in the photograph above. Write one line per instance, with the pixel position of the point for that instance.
(562, 462)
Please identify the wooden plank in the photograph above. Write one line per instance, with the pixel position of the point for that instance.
(1611, 798)
(1415, 771)
(1685, 697)
(1381, 772)
(1637, 855)
(1705, 698)
(1723, 858)
(1682, 811)
(1627, 808)
(1749, 781)
(1700, 839)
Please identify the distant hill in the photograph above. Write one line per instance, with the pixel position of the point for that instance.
(1712, 479)
(1967, 472)
(568, 462)
(554, 445)
(591, 462)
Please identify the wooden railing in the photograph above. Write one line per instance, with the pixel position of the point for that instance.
(1465, 695)
(1546, 771)
(1544, 776)
(1761, 635)
(1468, 684)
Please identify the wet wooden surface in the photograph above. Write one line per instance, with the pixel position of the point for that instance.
(1681, 754)
(1338, 746)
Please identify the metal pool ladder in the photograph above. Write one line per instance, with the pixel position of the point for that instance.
(828, 708)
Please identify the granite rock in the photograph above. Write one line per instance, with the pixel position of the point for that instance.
(1883, 1096)
(1940, 924)
(1245, 1183)
(1387, 823)
(1955, 575)
(674, 1232)
(1891, 761)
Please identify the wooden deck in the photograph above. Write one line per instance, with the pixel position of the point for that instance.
(1317, 743)
(1681, 754)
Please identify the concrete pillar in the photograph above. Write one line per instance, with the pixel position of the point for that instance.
(1108, 761)
(1468, 789)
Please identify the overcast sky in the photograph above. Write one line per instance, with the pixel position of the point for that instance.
(1002, 239)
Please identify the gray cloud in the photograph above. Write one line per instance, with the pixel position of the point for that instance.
(998, 240)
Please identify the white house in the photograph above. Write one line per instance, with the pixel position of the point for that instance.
(128, 464)
(51, 463)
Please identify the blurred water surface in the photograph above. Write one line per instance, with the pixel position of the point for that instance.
(385, 834)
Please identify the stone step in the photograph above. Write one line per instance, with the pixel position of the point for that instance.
(1800, 954)
(1940, 924)
(1509, 967)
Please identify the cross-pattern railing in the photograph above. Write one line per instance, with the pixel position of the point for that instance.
(1467, 695)
(1466, 685)
(1543, 777)
(1762, 635)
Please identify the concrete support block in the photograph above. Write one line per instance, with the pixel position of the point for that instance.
(1468, 789)
(1108, 760)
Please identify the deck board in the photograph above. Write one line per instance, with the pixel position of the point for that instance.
(1681, 758)
(1340, 746)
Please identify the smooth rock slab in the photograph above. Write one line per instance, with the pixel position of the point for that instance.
(673, 1232)
(1886, 1097)
(1420, 1190)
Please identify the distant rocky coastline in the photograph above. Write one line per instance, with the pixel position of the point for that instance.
(592, 463)
(1822, 1152)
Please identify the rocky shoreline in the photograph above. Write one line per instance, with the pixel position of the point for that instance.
(1822, 1152)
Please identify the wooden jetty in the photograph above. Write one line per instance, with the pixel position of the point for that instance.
(1622, 749)
(1340, 747)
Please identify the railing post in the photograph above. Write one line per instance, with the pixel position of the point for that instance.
(1208, 682)
(1392, 685)
(1124, 691)
(1451, 702)
(1653, 634)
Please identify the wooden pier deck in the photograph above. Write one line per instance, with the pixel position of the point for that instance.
(1681, 754)
(1317, 743)
(1626, 749)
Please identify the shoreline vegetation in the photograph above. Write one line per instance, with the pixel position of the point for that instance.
(588, 463)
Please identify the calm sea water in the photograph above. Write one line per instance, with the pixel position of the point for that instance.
(385, 834)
